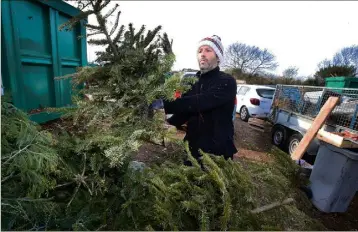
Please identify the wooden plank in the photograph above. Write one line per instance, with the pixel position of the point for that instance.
(257, 122)
(336, 140)
(316, 125)
(256, 128)
(272, 205)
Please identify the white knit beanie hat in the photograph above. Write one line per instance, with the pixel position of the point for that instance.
(215, 43)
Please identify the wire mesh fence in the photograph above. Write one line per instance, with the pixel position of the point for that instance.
(308, 100)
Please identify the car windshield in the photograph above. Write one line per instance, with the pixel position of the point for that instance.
(265, 93)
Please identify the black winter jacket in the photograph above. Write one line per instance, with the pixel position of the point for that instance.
(207, 108)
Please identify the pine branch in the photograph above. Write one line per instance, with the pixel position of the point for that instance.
(93, 27)
(80, 180)
(98, 41)
(151, 35)
(82, 5)
(102, 24)
(106, 2)
(66, 76)
(63, 185)
(73, 21)
(119, 34)
(101, 227)
(96, 6)
(114, 28)
(131, 33)
(28, 199)
(166, 44)
(7, 177)
(139, 35)
(94, 33)
(8, 159)
(110, 12)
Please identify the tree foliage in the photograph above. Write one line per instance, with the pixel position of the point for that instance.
(28, 163)
(344, 63)
(70, 180)
(79, 190)
(133, 73)
(335, 71)
(347, 56)
(218, 197)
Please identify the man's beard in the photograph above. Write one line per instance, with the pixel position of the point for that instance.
(207, 68)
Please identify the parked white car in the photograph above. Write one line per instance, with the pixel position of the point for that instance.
(254, 101)
(188, 74)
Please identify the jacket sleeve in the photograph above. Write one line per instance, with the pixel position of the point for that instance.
(219, 93)
(178, 119)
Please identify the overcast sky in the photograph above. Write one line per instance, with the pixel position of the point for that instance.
(299, 33)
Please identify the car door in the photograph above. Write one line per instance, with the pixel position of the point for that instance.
(241, 97)
(238, 102)
(265, 95)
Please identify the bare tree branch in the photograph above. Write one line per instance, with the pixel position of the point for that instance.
(290, 72)
(249, 59)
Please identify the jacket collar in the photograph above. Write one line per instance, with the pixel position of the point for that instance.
(209, 74)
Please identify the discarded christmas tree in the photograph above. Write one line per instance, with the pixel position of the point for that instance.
(131, 75)
(78, 172)
(84, 177)
(78, 190)
(28, 166)
(226, 195)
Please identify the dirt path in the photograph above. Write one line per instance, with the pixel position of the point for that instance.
(251, 143)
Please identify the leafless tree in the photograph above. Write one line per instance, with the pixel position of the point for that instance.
(249, 59)
(290, 72)
(324, 64)
(347, 56)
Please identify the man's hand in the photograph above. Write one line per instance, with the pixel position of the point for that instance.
(157, 104)
(184, 127)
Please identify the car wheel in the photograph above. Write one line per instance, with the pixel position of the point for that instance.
(279, 134)
(244, 114)
(293, 142)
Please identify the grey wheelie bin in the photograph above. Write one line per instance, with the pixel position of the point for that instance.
(334, 178)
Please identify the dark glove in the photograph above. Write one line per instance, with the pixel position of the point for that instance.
(157, 104)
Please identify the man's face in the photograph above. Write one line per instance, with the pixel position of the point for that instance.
(207, 58)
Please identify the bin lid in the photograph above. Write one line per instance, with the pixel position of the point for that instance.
(350, 153)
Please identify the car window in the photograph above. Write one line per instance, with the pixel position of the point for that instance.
(265, 93)
(238, 89)
(243, 90)
(189, 75)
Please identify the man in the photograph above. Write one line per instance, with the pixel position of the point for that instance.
(208, 106)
